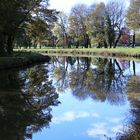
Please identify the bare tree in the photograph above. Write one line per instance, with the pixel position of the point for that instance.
(63, 22)
(116, 12)
(61, 29)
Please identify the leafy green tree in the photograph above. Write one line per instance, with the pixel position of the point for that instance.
(15, 14)
(77, 26)
(138, 37)
(115, 13)
(100, 23)
(109, 31)
(95, 24)
(22, 39)
(133, 17)
(74, 30)
(38, 31)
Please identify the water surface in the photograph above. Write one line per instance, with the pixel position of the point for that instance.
(71, 98)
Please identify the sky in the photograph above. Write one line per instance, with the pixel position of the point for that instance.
(66, 5)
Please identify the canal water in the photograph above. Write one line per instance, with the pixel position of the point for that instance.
(71, 98)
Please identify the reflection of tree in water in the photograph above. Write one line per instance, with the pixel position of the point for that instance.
(105, 82)
(132, 128)
(100, 79)
(61, 71)
(25, 100)
(78, 78)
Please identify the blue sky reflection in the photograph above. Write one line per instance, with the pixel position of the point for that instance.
(84, 120)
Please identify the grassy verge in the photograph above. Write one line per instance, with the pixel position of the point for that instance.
(22, 59)
(117, 52)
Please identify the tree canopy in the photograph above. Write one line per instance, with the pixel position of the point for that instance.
(99, 24)
(133, 15)
(31, 23)
(16, 14)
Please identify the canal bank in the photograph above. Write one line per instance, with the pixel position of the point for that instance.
(117, 52)
(22, 60)
(79, 52)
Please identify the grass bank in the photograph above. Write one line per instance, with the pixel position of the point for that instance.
(117, 52)
(22, 59)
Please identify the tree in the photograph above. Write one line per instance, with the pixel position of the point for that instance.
(77, 27)
(115, 12)
(109, 31)
(133, 17)
(60, 29)
(74, 30)
(15, 14)
(38, 31)
(95, 24)
(104, 23)
(22, 39)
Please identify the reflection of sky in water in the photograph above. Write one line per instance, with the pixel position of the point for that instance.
(88, 119)
(129, 71)
(83, 120)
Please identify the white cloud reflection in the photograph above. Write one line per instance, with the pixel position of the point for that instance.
(73, 115)
(104, 130)
(117, 128)
(97, 130)
(114, 120)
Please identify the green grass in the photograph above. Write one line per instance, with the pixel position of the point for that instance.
(132, 52)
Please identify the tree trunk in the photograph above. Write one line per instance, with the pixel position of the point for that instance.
(105, 44)
(86, 40)
(2, 45)
(9, 45)
(117, 40)
(77, 44)
(2, 50)
(133, 45)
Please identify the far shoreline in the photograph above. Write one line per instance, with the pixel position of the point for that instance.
(132, 53)
(23, 58)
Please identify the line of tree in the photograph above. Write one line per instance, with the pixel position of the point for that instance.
(30, 23)
(101, 25)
